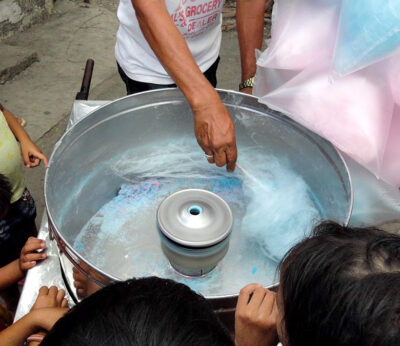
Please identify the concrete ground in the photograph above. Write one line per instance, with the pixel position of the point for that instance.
(47, 63)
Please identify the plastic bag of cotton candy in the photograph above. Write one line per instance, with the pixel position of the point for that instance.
(353, 112)
(369, 31)
(356, 111)
(352, 34)
(303, 34)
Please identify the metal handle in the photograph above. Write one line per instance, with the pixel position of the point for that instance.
(83, 94)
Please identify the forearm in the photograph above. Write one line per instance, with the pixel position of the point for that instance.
(18, 131)
(250, 28)
(18, 332)
(10, 274)
(171, 49)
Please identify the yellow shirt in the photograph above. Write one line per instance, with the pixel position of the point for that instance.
(11, 163)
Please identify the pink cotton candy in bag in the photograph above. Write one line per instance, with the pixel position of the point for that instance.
(269, 79)
(303, 33)
(393, 75)
(391, 161)
(353, 112)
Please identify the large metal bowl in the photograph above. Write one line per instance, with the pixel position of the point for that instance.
(81, 178)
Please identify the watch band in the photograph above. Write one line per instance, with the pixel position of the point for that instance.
(248, 83)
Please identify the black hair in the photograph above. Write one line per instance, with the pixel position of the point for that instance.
(5, 194)
(341, 286)
(149, 311)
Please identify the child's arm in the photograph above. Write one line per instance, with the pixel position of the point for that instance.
(10, 274)
(15, 270)
(49, 307)
(36, 320)
(30, 152)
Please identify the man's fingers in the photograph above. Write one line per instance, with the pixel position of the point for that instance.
(204, 144)
(231, 157)
(220, 158)
(209, 155)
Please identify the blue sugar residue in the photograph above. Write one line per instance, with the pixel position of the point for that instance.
(272, 206)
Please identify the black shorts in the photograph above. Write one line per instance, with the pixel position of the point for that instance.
(17, 227)
(133, 86)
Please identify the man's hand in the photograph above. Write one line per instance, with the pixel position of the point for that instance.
(29, 255)
(31, 154)
(213, 125)
(256, 316)
(215, 134)
(247, 91)
(50, 298)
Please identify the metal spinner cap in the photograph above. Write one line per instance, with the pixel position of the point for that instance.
(195, 218)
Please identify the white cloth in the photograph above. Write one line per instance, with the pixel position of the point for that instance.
(199, 21)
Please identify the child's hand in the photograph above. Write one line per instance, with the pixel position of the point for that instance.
(45, 318)
(84, 286)
(50, 298)
(256, 316)
(29, 256)
(31, 154)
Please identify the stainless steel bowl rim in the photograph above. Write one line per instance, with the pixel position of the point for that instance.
(64, 245)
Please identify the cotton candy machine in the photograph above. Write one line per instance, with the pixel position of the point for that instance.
(111, 171)
(195, 226)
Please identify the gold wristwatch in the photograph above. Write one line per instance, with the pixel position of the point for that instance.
(248, 83)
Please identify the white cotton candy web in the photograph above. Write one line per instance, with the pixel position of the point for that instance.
(272, 207)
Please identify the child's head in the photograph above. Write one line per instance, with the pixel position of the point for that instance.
(149, 311)
(5, 196)
(341, 286)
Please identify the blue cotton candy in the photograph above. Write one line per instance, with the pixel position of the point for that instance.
(369, 31)
(272, 207)
(281, 208)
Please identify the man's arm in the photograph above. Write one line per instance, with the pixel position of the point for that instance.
(250, 28)
(214, 128)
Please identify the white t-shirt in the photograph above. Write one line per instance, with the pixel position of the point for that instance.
(199, 21)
